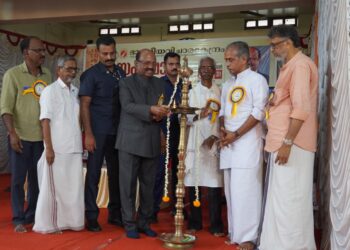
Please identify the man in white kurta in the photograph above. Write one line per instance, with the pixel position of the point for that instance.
(243, 100)
(60, 174)
(202, 162)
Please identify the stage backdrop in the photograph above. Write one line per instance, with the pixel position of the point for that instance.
(193, 49)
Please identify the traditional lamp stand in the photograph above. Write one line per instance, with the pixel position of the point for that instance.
(179, 240)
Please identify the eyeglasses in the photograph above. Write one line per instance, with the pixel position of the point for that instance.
(71, 69)
(39, 51)
(274, 45)
(147, 62)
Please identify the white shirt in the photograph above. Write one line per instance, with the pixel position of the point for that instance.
(60, 105)
(240, 154)
(202, 164)
(254, 102)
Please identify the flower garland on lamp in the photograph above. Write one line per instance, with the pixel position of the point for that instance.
(196, 202)
(166, 198)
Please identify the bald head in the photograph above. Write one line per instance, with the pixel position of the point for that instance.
(254, 58)
(145, 63)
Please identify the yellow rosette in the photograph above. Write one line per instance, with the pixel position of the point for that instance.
(36, 89)
(214, 107)
(236, 97)
(267, 113)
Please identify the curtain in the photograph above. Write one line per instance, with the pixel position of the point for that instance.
(334, 115)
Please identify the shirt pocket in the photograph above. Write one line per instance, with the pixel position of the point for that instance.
(105, 89)
(280, 94)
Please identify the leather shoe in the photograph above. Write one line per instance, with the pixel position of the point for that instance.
(148, 232)
(93, 226)
(132, 234)
(115, 221)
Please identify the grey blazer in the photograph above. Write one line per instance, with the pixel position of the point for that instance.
(137, 133)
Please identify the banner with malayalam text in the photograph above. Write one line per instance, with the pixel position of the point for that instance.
(193, 49)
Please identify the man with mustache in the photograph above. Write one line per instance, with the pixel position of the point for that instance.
(291, 141)
(21, 89)
(254, 61)
(100, 108)
(138, 142)
(243, 101)
(60, 168)
(173, 83)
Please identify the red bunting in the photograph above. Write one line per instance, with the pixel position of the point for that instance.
(15, 38)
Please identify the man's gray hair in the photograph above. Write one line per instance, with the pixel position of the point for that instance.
(241, 47)
(62, 59)
(207, 58)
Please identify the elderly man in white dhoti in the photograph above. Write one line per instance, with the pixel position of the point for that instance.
(202, 162)
(60, 174)
(243, 100)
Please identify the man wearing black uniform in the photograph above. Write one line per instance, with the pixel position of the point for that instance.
(99, 109)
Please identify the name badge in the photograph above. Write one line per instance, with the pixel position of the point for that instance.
(36, 89)
(236, 97)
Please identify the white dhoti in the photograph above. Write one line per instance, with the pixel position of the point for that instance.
(288, 221)
(202, 164)
(243, 193)
(61, 198)
(243, 189)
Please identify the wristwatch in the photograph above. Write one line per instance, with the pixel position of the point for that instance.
(288, 142)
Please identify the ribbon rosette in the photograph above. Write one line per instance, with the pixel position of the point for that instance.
(214, 107)
(36, 89)
(236, 97)
(267, 113)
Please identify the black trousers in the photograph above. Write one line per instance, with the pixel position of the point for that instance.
(24, 165)
(133, 168)
(104, 150)
(214, 203)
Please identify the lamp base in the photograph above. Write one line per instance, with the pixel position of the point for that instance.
(173, 242)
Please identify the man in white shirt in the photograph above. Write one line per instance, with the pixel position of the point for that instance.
(202, 162)
(60, 174)
(243, 100)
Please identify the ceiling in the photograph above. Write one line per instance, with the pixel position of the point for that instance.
(103, 12)
(262, 13)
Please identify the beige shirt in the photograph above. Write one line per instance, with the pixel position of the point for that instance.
(20, 98)
(295, 97)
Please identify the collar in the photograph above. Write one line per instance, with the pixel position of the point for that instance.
(62, 84)
(205, 87)
(104, 69)
(292, 60)
(245, 72)
(24, 69)
(167, 80)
